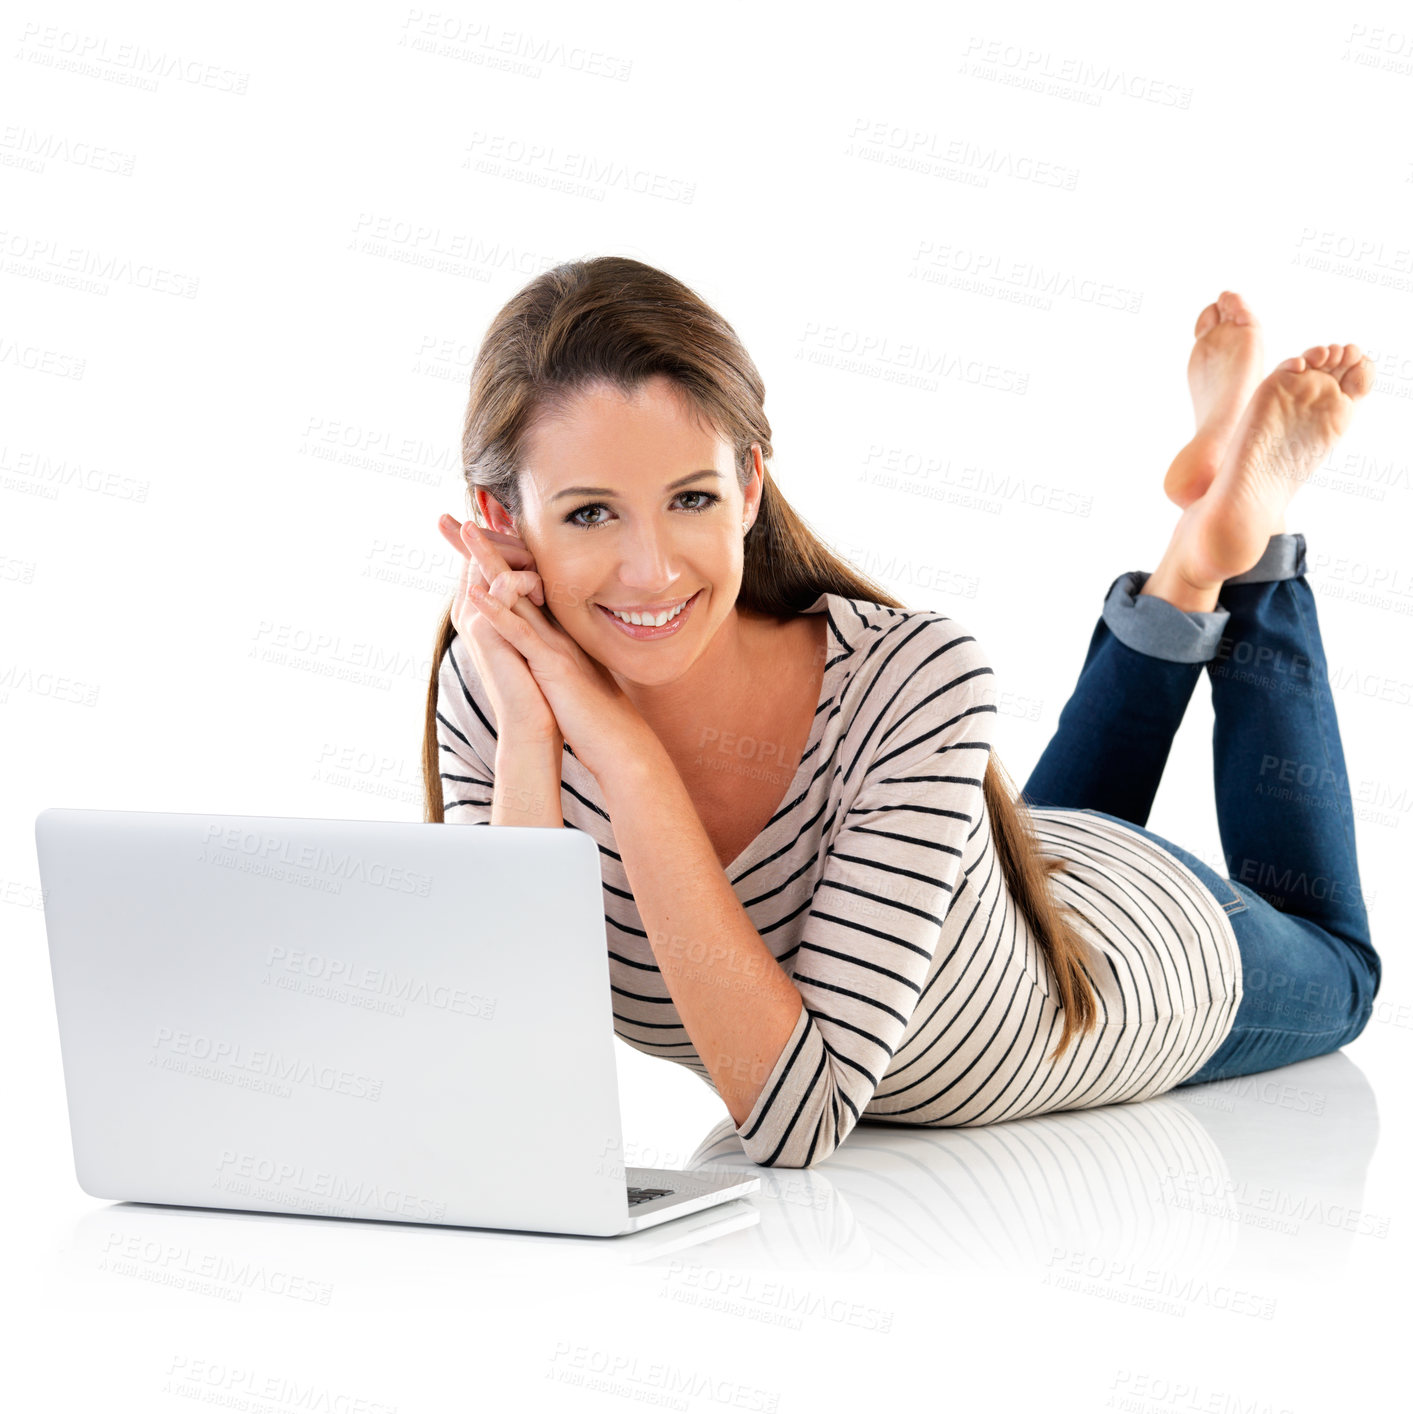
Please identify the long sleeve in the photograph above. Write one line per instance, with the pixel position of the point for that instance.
(916, 754)
(466, 742)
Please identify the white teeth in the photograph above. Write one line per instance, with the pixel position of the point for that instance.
(656, 620)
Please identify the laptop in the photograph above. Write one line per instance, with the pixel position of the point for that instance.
(383, 1020)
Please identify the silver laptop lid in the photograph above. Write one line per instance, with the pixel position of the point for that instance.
(359, 1018)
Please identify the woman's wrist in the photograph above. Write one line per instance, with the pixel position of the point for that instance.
(527, 782)
(639, 761)
(522, 743)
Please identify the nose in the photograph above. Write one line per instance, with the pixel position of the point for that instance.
(647, 561)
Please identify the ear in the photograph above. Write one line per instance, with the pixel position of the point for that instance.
(493, 513)
(755, 487)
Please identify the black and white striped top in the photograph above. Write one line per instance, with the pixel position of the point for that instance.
(877, 887)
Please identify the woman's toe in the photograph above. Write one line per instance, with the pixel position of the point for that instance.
(1358, 379)
(1232, 307)
(1350, 354)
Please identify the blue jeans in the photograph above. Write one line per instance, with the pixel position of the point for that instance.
(1310, 972)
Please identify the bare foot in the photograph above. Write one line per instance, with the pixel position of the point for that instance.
(1222, 372)
(1293, 419)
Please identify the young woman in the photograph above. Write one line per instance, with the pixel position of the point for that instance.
(820, 894)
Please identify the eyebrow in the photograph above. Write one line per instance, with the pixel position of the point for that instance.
(608, 490)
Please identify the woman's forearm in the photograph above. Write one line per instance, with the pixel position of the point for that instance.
(737, 1004)
(527, 784)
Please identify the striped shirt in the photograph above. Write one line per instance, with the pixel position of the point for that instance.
(877, 887)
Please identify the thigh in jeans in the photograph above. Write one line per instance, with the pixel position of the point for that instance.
(1305, 992)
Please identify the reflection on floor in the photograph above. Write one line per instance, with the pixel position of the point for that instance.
(1263, 1171)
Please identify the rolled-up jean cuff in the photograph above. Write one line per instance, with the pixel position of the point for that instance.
(1284, 558)
(1151, 625)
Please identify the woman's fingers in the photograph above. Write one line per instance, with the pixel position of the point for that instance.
(507, 589)
(495, 575)
(507, 623)
(461, 604)
(512, 548)
(510, 585)
(483, 550)
(450, 528)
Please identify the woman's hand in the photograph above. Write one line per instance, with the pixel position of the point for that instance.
(594, 714)
(522, 712)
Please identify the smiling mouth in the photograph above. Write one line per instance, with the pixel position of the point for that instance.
(651, 620)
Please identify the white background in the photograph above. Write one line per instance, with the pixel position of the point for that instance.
(246, 258)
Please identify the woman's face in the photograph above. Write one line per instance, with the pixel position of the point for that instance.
(630, 504)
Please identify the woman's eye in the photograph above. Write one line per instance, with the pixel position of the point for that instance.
(710, 498)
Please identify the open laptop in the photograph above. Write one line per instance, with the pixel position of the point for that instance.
(352, 1018)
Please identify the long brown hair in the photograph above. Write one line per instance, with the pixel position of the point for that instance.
(618, 321)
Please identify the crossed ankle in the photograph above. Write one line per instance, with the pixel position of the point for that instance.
(1283, 558)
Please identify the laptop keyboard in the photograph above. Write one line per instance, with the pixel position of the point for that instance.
(641, 1195)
